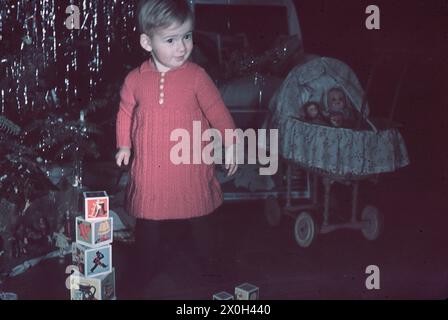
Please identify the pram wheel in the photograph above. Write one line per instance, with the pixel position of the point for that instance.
(304, 229)
(372, 223)
(272, 211)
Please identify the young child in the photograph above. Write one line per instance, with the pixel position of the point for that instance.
(165, 93)
(313, 114)
(338, 106)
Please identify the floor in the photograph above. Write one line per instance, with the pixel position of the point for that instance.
(411, 256)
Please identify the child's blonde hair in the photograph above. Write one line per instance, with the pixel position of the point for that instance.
(154, 14)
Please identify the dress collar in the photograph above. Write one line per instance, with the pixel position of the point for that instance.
(149, 66)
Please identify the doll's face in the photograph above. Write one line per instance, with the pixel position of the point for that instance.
(312, 111)
(336, 101)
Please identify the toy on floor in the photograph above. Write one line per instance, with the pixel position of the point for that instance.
(61, 241)
(223, 295)
(246, 291)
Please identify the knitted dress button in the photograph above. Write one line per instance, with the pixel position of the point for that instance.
(162, 81)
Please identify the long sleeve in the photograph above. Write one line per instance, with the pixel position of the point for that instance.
(124, 116)
(212, 105)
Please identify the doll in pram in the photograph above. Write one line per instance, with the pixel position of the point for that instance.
(328, 153)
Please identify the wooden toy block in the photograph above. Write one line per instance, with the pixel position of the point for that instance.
(92, 261)
(95, 288)
(223, 295)
(96, 205)
(94, 233)
(246, 291)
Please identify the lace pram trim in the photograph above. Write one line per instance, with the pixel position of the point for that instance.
(341, 152)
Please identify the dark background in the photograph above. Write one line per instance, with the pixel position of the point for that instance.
(413, 31)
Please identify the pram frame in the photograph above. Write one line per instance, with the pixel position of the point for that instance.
(371, 222)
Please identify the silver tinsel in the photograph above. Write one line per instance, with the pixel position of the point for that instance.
(40, 24)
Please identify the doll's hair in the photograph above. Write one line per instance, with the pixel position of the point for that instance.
(153, 14)
(309, 104)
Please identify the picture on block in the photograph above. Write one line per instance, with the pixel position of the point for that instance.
(96, 288)
(78, 257)
(84, 231)
(98, 261)
(103, 231)
(97, 208)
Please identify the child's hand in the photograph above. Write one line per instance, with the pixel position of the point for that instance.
(232, 167)
(231, 163)
(123, 155)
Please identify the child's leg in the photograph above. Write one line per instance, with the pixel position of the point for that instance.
(203, 239)
(148, 250)
(203, 236)
(172, 240)
(186, 241)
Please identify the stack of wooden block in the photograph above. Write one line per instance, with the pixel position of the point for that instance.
(92, 251)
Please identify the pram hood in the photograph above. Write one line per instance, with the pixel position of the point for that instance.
(311, 81)
(340, 152)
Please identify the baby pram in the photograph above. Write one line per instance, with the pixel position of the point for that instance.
(331, 154)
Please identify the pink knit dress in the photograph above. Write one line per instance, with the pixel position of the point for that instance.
(152, 105)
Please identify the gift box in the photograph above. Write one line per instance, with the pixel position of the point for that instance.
(246, 291)
(92, 261)
(223, 295)
(95, 288)
(96, 205)
(94, 233)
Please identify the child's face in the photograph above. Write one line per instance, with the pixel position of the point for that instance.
(336, 101)
(170, 47)
(312, 111)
